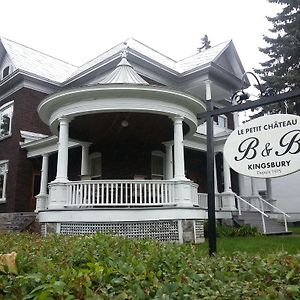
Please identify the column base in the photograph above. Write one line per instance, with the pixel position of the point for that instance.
(228, 201)
(41, 202)
(57, 195)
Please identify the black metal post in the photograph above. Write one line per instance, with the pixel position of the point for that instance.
(212, 239)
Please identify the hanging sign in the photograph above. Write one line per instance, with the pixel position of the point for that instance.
(265, 147)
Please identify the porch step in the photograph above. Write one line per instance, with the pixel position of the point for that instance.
(16, 221)
(273, 227)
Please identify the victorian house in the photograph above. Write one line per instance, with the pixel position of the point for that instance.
(115, 145)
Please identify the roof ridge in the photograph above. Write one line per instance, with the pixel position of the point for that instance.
(211, 48)
(38, 51)
(133, 39)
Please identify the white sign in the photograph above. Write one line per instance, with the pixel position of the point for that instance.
(265, 147)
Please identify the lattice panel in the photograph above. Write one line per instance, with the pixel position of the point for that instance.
(44, 229)
(161, 230)
(199, 229)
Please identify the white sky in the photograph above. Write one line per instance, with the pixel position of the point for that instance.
(77, 31)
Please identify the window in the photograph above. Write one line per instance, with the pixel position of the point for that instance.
(96, 165)
(157, 165)
(222, 121)
(6, 112)
(3, 178)
(5, 72)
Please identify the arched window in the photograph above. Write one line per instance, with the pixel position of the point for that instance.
(5, 72)
(157, 165)
(95, 165)
(6, 112)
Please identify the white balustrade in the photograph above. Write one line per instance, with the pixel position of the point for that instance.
(120, 193)
(202, 201)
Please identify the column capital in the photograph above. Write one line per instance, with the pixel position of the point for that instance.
(64, 119)
(45, 154)
(168, 144)
(178, 119)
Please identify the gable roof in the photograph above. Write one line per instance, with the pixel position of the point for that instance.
(38, 63)
(48, 67)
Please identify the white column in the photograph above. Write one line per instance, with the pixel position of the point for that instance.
(178, 149)
(62, 159)
(269, 189)
(44, 175)
(227, 176)
(84, 159)
(215, 175)
(169, 161)
(253, 187)
(41, 198)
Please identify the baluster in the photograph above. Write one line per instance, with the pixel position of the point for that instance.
(126, 193)
(149, 191)
(93, 194)
(135, 193)
(111, 193)
(145, 193)
(106, 198)
(98, 193)
(158, 194)
(121, 191)
(102, 193)
(130, 184)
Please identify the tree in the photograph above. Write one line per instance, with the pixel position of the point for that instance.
(282, 71)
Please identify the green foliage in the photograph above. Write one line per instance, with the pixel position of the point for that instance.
(231, 231)
(281, 72)
(105, 267)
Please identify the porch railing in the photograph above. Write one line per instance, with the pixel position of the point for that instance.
(120, 193)
(202, 201)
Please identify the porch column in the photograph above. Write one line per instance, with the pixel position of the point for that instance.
(228, 198)
(253, 187)
(269, 195)
(178, 149)
(215, 175)
(84, 159)
(169, 161)
(42, 196)
(227, 176)
(62, 159)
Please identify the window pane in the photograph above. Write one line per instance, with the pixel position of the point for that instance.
(5, 72)
(5, 119)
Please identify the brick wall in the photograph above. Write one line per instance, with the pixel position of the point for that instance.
(20, 173)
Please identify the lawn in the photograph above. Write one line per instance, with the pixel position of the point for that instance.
(105, 267)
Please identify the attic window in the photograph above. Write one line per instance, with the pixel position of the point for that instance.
(222, 121)
(5, 72)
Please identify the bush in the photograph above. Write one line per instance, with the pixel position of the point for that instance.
(231, 231)
(105, 267)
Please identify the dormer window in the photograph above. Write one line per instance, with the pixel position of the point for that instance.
(222, 121)
(5, 72)
(6, 112)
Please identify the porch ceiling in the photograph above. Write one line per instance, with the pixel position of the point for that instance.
(104, 128)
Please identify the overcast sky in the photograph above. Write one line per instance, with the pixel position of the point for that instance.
(77, 31)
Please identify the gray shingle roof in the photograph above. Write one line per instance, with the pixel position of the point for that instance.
(48, 67)
(38, 63)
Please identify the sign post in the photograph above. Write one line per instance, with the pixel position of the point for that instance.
(208, 116)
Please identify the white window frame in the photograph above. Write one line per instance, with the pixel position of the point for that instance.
(224, 120)
(162, 155)
(3, 194)
(2, 108)
(2, 71)
(91, 157)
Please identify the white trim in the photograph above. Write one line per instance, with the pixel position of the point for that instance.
(4, 162)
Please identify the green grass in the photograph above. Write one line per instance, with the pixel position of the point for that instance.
(295, 230)
(258, 244)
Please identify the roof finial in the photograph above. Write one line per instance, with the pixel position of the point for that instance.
(124, 51)
(205, 43)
